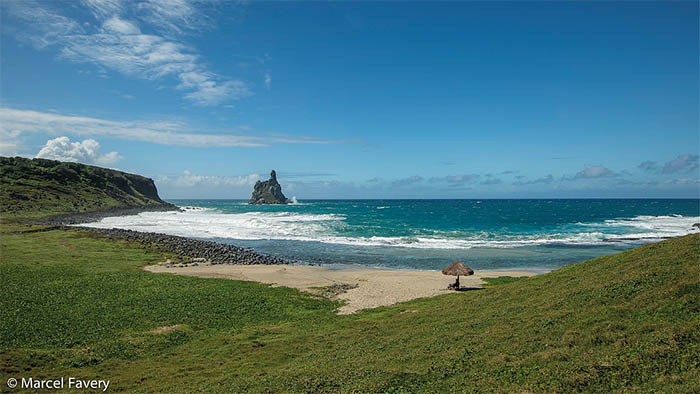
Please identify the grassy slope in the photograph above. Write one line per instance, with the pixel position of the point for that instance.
(78, 306)
(40, 187)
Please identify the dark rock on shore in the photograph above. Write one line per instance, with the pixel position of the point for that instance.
(193, 250)
(268, 192)
(695, 225)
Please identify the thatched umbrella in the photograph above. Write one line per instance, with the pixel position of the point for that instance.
(456, 269)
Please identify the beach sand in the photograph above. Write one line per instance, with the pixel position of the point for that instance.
(368, 288)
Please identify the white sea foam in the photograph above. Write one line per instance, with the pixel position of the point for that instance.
(650, 227)
(328, 228)
(197, 209)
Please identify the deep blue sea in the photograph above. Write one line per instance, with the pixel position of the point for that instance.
(535, 235)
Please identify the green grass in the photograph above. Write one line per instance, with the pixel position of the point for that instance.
(73, 305)
(502, 280)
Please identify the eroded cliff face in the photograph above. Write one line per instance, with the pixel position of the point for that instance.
(268, 192)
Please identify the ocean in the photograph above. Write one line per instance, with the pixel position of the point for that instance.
(522, 235)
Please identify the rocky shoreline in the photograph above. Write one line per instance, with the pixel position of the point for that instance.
(191, 251)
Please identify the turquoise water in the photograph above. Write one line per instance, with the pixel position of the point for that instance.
(537, 235)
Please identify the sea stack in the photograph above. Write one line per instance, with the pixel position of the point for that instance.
(268, 192)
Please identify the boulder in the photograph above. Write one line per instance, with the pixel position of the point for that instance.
(268, 192)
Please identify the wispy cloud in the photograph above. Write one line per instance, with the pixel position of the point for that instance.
(648, 166)
(684, 181)
(172, 16)
(86, 151)
(9, 141)
(407, 181)
(683, 162)
(103, 8)
(117, 43)
(310, 174)
(545, 180)
(456, 180)
(14, 122)
(565, 158)
(268, 80)
(189, 180)
(491, 181)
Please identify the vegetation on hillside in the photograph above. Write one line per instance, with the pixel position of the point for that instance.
(74, 305)
(40, 187)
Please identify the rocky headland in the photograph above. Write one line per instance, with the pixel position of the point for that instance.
(42, 188)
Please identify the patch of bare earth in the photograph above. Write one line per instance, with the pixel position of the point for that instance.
(164, 329)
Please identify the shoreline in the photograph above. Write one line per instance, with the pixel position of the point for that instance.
(68, 219)
(359, 288)
(192, 251)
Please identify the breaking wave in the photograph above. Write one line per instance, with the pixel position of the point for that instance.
(333, 228)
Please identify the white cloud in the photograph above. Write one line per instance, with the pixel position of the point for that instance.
(117, 43)
(15, 122)
(456, 179)
(268, 80)
(120, 26)
(206, 91)
(171, 16)
(682, 162)
(407, 181)
(593, 171)
(545, 179)
(103, 8)
(52, 26)
(9, 142)
(87, 152)
(188, 180)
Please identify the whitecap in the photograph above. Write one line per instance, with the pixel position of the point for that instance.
(333, 229)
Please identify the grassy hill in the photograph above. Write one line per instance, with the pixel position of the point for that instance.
(74, 305)
(40, 187)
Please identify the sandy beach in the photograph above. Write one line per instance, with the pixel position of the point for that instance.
(366, 288)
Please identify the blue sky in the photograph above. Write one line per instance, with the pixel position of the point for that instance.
(360, 100)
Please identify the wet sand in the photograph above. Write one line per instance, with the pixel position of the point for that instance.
(374, 287)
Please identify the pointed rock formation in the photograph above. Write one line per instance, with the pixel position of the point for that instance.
(268, 192)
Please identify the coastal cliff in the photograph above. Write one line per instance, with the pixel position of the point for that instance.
(48, 187)
(268, 192)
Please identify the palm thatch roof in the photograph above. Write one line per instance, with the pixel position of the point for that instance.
(457, 268)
